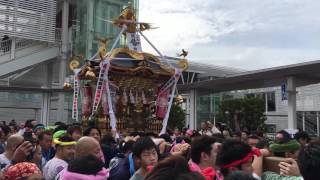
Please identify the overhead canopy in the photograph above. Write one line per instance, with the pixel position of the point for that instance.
(305, 73)
(207, 69)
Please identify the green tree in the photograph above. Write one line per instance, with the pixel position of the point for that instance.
(176, 117)
(242, 113)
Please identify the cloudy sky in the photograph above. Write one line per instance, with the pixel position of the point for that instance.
(246, 34)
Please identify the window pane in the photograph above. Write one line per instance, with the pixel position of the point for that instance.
(299, 119)
(203, 109)
(20, 105)
(311, 122)
(271, 101)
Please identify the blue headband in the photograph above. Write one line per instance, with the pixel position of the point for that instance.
(131, 164)
(38, 127)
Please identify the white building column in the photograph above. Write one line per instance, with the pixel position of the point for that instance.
(13, 48)
(303, 121)
(318, 128)
(266, 102)
(45, 108)
(90, 27)
(193, 109)
(292, 103)
(63, 60)
(45, 105)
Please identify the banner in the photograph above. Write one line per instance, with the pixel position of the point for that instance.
(284, 92)
(134, 42)
(76, 89)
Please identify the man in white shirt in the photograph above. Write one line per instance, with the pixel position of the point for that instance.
(65, 151)
(12, 143)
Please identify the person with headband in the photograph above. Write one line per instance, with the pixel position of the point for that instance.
(238, 156)
(289, 149)
(38, 129)
(204, 150)
(65, 152)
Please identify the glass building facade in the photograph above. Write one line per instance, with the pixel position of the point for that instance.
(207, 107)
(88, 23)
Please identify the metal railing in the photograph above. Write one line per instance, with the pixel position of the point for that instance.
(25, 43)
(5, 47)
(8, 48)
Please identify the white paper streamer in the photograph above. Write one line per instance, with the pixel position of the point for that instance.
(144, 100)
(113, 120)
(136, 98)
(125, 95)
(132, 100)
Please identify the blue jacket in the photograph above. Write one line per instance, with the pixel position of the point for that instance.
(121, 171)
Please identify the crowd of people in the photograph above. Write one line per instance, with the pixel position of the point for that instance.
(69, 152)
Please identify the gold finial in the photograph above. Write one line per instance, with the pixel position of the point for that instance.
(90, 73)
(67, 86)
(183, 53)
(179, 99)
(74, 64)
(103, 47)
(183, 64)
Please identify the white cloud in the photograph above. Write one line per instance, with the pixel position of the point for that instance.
(185, 23)
(236, 32)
